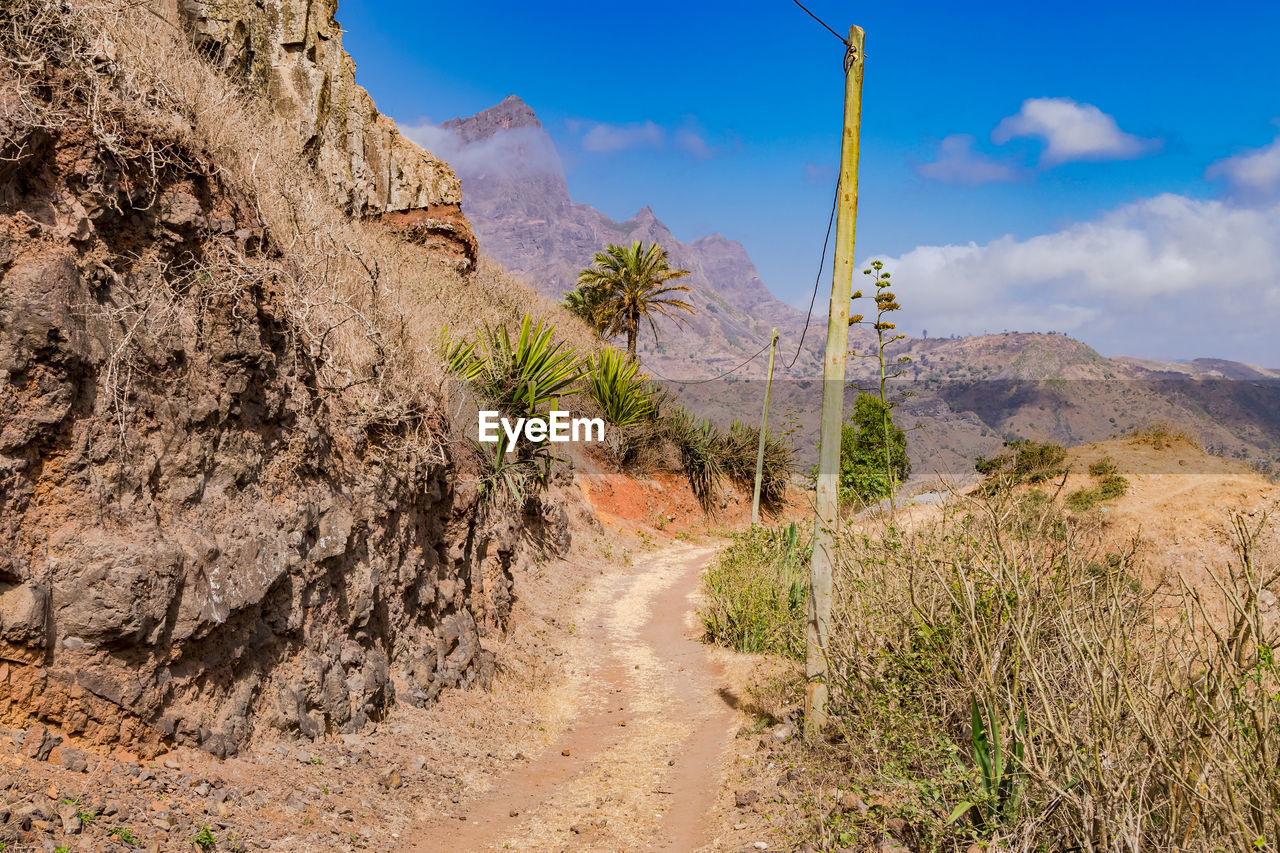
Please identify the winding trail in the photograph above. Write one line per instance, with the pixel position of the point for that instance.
(641, 765)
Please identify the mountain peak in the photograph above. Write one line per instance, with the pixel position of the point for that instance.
(508, 114)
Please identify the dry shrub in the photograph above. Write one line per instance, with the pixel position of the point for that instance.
(1161, 436)
(368, 307)
(1145, 725)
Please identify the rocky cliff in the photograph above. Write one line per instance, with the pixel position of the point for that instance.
(290, 51)
(205, 536)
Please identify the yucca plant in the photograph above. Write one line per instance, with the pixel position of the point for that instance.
(702, 455)
(624, 396)
(521, 377)
(613, 381)
(505, 478)
(999, 769)
(742, 446)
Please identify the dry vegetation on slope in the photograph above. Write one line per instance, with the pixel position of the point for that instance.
(231, 498)
(1122, 655)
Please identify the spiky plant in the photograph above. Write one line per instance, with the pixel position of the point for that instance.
(521, 377)
(624, 396)
(613, 381)
(629, 285)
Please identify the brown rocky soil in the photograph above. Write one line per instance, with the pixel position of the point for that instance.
(605, 728)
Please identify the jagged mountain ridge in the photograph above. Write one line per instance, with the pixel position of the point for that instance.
(517, 198)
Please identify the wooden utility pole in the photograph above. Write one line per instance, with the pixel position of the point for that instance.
(817, 629)
(764, 423)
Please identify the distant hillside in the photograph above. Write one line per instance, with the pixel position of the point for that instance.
(967, 393)
(517, 199)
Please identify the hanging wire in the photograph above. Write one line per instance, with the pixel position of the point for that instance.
(843, 40)
(713, 378)
(822, 262)
(817, 280)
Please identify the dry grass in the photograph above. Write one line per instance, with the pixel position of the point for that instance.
(1146, 724)
(368, 308)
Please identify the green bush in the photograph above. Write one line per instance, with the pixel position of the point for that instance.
(613, 382)
(1112, 486)
(522, 378)
(756, 591)
(1083, 500)
(1103, 467)
(702, 455)
(870, 435)
(1109, 487)
(1026, 462)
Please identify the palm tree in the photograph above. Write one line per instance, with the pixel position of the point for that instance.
(626, 285)
(585, 302)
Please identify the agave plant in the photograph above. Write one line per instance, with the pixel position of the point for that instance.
(521, 377)
(742, 446)
(999, 768)
(507, 478)
(622, 395)
(702, 455)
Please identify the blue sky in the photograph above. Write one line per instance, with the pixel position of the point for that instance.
(1085, 150)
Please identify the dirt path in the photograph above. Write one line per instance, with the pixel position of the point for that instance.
(642, 762)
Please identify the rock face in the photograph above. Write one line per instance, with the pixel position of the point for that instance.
(198, 544)
(291, 50)
(516, 196)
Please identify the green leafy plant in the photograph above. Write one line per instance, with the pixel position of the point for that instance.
(624, 397)
(1025, 461)
(627, 286)
(997, 767)
(1110, 486)
(888, 369)
(122, 833)
(702, 454)
(1103, 467)
(863, 445)
(510, 477)
(741, 449)
(588, 304)
(205, 839)
(613, 381)
(521, 377)
(755, 592)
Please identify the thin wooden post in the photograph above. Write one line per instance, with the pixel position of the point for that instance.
(764, 424)
(827, 504)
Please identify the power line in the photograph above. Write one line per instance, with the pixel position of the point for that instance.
(843, 40)
(713, 378)
(822, 263)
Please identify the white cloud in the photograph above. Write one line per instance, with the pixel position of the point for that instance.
(1252, 174)
(691, 141)
(820, 174)
(516, 152)
(1071, 131)
(604, 138)
(1167, 275)
(958, 163)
